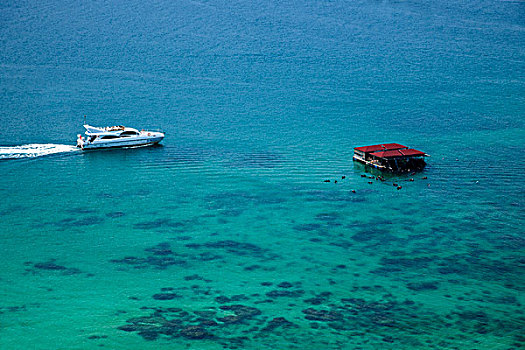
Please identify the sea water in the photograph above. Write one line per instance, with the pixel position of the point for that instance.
(227, 235)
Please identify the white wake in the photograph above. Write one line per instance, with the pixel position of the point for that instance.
(34, 150)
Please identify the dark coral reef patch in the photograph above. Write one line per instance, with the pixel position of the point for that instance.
(50, 266)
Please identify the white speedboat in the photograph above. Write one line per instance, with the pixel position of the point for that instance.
(117, 136)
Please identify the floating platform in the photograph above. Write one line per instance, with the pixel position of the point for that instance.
(391, 157)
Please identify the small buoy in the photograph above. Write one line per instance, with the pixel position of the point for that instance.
(413, 174)
(343, 177)
(326, 180)
(353, 191)
(399, 187)
(363, 175)
(335, 181)
(411, 180)
(394, 184)
(370, 182)
(424, 177)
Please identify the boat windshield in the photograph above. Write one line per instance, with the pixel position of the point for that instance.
(129, 133)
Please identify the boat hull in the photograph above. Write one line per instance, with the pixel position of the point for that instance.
(120, 143)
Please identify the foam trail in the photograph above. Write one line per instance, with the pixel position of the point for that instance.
(34, 150)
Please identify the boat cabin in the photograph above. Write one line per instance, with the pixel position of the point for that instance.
(391, 157)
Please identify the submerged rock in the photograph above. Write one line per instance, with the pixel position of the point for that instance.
(318, 299)
(149, 334)
(155, 224)
(234, 247)
(221, 299)
(285, 285)
(308, 227)
(242, 313)
(129, 328)
(285, 293)
(92, 337)
(193, 277)
(388, 339)
(322, 315)
(417, 262)
(205, 314)
(207, 322)
(50, 265)
(242, 310)
(195, 332)
(160, 249)
(424, 285)
(230, 319)
(278, 322)
(165, 296)
(115, 214)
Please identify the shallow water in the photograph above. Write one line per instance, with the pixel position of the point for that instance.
(226, 235)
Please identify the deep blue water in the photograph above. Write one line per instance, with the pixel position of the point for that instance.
(226, 235)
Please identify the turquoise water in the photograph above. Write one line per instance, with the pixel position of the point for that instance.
(226, 235)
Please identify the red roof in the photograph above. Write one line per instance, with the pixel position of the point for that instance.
(387, 154)
(391, 146)
(382, 147)
(368, 149)
(412, 152)
(398, 153)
